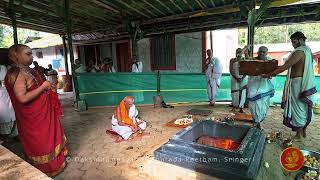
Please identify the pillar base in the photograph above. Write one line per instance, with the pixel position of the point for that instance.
(81, 105)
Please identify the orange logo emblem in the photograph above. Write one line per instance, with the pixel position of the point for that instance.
(291, 159)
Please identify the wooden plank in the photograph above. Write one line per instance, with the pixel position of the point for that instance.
(13, 167)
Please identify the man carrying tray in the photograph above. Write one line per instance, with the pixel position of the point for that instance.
(299, 87)
(260, 91)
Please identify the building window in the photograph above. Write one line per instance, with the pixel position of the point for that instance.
(39, 54)
(163, 52)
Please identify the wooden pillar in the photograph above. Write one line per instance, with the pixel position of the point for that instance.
(251, 31)
(74, 76)
(211, 41)
(204, 49)
(65, 50)
(250, 39)
(14, 22)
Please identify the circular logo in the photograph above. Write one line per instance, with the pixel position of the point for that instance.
(291, 159)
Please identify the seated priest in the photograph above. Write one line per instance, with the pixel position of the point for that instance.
(125, 119)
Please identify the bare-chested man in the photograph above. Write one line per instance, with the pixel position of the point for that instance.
(299, 86)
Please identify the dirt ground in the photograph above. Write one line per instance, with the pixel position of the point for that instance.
(95, 155)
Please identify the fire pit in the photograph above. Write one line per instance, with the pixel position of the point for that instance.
(219, 149)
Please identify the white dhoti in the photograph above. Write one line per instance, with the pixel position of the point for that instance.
(238, 89)
(125, 131)
(7, 114)
(260, 92)
(213, 88)
(213, 75)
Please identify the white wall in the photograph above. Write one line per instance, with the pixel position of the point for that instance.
(225, 43)
(49, 54)
(188, 52)
(144, 54)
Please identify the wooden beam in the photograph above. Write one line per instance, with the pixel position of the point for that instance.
(155, 8)
(102, 4)
(172, 12)
(177, 6)
(133, 9)
(190, 7)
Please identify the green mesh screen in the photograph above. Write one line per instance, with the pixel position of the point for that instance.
(99, 89)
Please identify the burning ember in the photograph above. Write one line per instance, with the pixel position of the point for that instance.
(217, 142)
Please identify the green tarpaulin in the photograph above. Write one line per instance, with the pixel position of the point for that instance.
(107, 89)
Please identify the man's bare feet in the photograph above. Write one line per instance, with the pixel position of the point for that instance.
(119, 139)
(304, 132)
(258, 125)
(298, 135)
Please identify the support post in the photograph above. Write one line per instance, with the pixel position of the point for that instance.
(250, 39)
(80, 105)
(211, 42)
(67, 79)
(65, 50)
(14, 22)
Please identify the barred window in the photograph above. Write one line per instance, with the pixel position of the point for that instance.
(163, 52)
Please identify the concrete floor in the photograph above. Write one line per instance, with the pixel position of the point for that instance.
(95, 155)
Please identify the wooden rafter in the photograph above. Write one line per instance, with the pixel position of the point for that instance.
(200, 4)
(107, 2)
(216, 10)
(212, 3)
(177, 6)
(162, 4)
(102, 4)
(90, 13)
(134, 9)
(148, 10)
(155, 8)
(190, 7)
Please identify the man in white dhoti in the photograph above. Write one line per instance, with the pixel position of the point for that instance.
(137, 68)
(8, 126)
(299, 88)
(136, 65)
(238, 82)
(213, 74)
(260, 91)
(125, 119)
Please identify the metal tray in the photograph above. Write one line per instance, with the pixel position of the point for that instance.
(313, 154)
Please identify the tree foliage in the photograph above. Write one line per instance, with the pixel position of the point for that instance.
(280, 34)
(6, 35)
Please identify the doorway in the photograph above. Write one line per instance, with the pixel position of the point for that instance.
(124, 60)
